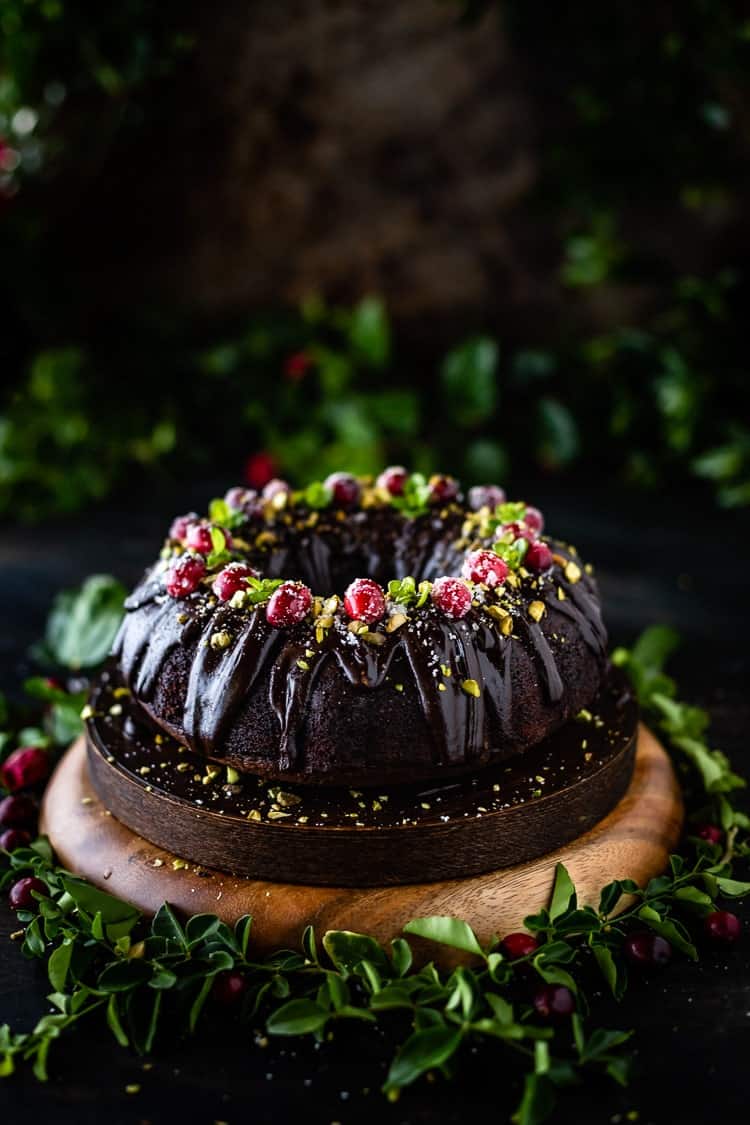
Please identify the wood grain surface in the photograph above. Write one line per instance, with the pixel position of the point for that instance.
(634, 841)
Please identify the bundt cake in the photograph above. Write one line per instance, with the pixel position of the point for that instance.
(363, 632)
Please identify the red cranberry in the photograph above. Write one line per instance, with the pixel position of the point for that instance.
(236, 498)
(393, 480)
(534, 519)
(198, 538)
(710, 832)
(485, 496)
(518, 945)
(485, 566)
(180, 525)
(451, 596)
(25, 766)
(231, 579)
(288, 604)
(297, 365)
(442, 489)
(722, 927)
(515, 531)
(20, 893)
(13, 838)
(345, 489)
(554, 1002)
(364, 600)
(647, 950)
(538, 557)
(18, 811)
(276, 487)
(184, 576)
(260, 468)
(228, 988)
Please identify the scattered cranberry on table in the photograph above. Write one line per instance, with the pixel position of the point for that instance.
(18, 811)
(288, 605)
(184, 576)
(393, 480)
(180, 525)
(710, 832)
(231, 579)
(297, 365)
(442, 488)
(554, 1002)
(364, 601)
(344, 488)
(451, 596)
(647, 950)
(538, 557)
(486, 567)
(20, 894)
(229, 987)
(13, 838)
(722, 927)
(518, 945)
(24, 767)
(485, 496)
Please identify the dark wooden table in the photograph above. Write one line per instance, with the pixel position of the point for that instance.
(670, 558)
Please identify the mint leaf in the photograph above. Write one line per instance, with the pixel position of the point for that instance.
(415, 498)
(317, 495)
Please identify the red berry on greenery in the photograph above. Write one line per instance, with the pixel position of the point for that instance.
(18, 811)
(534, 519)
(259, 469)
(393, 480)
(20, 895)
(710, 832)
(364, 600)
(180, 525)
(647, 950)
(25, 766)
(276, 487)
(485, 566)
(13, 838)
(538, 557)
(344, 488)
(228, 988)
(288, 604)
(451, 596)
(184, 576)
(518, 945)
(722, 927)
(442, 488)
(231, 579)
(485, 496)
(554, 1002)
(297, 365)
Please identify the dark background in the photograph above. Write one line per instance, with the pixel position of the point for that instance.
(508, 240)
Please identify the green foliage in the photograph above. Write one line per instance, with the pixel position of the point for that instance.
(82, 623)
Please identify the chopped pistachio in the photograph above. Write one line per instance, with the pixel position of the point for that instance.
(537, 610)
(395, 622)
(506, 626)
(232, 775)
(220, 639)
(471, 687)
(572, 571)
(253, 815)
(303, 665)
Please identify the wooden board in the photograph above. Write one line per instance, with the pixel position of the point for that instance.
(633, 841)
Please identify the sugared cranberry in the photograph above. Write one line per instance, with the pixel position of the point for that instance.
(647, 950)
(13, 838)
(485, 496)
(297, 365)
(260, 468)
(276, 487)
(518, 945)
(364, 601)
(554, 1002)
(18, 811)
(184, 576)
(451, 596)
(534, 519)
(393, 480)
(722, 927)
(20, 893)
(236, 498)
(288, 604)
(228, 988)
(538, 556)
(198, 538)
(180, 525)
(344, 488)
(231, 579)
(710, 832)
(442, 489)
(25, 766)
(515, 531)
(485, 566)
(245, 500)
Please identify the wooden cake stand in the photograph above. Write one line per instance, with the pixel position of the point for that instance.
(633, 840)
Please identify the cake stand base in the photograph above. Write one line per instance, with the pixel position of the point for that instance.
(633, 841)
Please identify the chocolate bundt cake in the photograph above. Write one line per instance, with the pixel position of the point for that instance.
(361, 633)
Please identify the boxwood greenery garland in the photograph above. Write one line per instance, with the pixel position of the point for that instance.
(106, 961)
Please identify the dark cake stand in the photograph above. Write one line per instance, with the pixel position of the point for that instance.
(148, 821)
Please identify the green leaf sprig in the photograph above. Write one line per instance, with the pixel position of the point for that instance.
(406, 591)
(414, 501)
